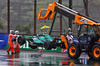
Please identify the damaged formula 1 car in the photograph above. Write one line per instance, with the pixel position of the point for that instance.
(41, 40)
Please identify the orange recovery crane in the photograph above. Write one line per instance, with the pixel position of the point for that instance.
(88, 35)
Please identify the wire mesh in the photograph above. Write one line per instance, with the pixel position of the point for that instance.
(3, 16)
(22, 15)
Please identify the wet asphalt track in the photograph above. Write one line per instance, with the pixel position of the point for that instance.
(34, 58)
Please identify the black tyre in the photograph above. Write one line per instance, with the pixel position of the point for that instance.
(96, 52)
(73, 51)
(89, 51)
(90, 55)
(48, 45)
(21, 40)
(62, 45)
(33, 46)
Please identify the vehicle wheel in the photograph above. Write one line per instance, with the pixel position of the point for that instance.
(21, 40)
(48, 45)
(73, 51)
(33, 46)
(96, 52)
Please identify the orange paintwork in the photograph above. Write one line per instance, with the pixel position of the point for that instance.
(99, 40)
(78, 19)
(70, 50)
(63, 39)
(49, 12)
(94, 51)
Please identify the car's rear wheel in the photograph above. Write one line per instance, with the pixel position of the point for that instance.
(48, 45)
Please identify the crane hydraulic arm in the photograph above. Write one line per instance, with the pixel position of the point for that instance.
(58, 8)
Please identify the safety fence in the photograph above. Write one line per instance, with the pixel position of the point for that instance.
(21, 15)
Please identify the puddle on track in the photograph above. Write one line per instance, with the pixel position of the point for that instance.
(30, 59)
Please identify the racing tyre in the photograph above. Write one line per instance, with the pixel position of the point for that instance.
(21, 40)
(73, 51)
(33, 46)
(96, 52)
(48, 45)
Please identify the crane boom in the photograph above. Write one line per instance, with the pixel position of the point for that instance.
(58, 8)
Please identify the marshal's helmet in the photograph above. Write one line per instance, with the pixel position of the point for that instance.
(11, 31)
(16, 32)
